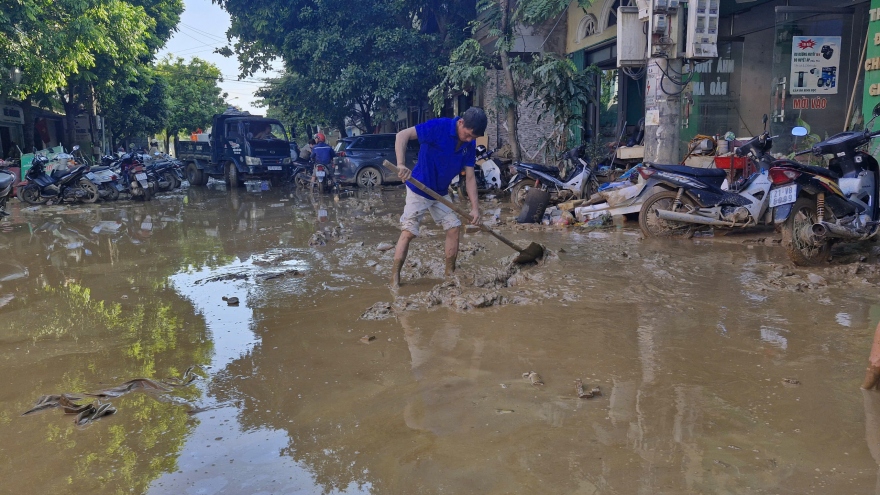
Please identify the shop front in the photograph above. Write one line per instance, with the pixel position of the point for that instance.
(11, 125)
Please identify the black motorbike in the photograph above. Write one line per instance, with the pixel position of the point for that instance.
(60, 185)
(577, 179)
(314, 176)
(135, 178)
(817, 206)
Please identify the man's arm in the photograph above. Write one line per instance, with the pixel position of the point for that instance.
(400, 143)
(470, 182)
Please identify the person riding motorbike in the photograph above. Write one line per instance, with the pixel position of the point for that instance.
(322, 154)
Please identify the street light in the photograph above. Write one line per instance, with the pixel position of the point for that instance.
(15, 75)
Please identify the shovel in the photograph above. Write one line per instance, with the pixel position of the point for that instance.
(532, 252)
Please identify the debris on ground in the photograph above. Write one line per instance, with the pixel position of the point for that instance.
(223, 278)
(384, 246)
(317, 239)
(270, 276)
(378, 311)
(366, 339)
(533, 378)
(231, 301)
(791, 381)
(92, 411)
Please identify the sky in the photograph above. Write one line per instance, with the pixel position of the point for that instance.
(202, 28)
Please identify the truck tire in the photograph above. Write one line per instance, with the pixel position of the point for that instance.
(195, 176)
(232, 179)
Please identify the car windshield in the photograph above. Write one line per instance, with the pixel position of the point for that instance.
(266, 130)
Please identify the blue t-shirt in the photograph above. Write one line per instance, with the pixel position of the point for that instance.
(439, 162)
(322, 153)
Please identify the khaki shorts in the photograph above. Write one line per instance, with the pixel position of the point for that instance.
(415, 209)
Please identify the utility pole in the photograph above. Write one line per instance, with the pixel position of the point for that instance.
(664, 83)
(663, 116)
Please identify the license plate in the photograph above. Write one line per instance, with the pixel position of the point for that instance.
(140, 176)
(783, 195)
(320, 174)
(274, 167)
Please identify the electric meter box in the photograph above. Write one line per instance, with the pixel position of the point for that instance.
(632, 42)
(660, 23)
(702, 29)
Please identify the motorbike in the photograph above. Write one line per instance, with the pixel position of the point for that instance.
(683, 198)
(322, 174)
(488, 174)
(135, 178)
(168, 176)
(62, 185)
(817, 206)
(579, 182)
(7, 179)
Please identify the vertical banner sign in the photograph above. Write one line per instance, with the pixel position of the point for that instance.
(815, 62)
(872, 62)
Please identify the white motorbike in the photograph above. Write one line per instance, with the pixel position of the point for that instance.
(488, 174)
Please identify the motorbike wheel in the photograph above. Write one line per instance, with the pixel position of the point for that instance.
(90, 189)
(518, 192)
(654, 226)
(114, 193)
(148, 193)
(232, 179)
(303, 180)
(796, 234)
(30, 194)
(171, 178)
(369, 177)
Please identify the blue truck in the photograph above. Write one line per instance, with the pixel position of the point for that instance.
(240, 147)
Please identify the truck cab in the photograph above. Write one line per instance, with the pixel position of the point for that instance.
(241, 147)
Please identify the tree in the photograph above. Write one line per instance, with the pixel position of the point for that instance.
(499, 18)
(136, 106)
(193, 94)
(560, 90)
(367, 57)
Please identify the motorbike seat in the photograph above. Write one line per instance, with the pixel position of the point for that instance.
(99, 169)
(810, 169)
(6, 179)
(57, 174)
(540, 168)
(692, 171)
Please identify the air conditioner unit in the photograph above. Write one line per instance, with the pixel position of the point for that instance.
(632, 42)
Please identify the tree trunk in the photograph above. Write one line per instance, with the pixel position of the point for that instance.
(69, 118)
(27, 110)
(512, 132)
(341, 126)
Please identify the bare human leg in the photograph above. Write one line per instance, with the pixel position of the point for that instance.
(452, 241)
(400, 256)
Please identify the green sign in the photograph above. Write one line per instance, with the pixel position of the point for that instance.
(872, 61)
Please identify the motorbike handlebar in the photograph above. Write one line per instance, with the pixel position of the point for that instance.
(875, 133)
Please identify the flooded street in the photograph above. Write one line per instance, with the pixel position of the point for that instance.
(721, 368)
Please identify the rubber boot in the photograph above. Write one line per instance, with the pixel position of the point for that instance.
(395, 273)
(450, 266)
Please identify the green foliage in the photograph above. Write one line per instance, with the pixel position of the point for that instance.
(193, 94)
(367, 57)
(559, 90)
(138, 105)
(465, 72)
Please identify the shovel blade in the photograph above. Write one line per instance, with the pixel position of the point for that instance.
(532, 252)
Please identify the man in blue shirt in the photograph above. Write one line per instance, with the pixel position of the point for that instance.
(446, 147)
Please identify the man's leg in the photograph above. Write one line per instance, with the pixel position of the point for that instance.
(451, 249)
(400, 256)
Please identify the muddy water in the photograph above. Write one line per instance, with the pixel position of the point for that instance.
(689, 342)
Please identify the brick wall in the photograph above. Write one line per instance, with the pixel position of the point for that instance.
(530, 131)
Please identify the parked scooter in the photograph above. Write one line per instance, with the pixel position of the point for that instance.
(7, 179)
(488, 174)
(60, 185)
(315, 175)
(687, 197)
(579, 183)
(135, 178)
(815, 206)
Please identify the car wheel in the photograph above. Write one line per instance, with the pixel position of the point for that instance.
(369, 177)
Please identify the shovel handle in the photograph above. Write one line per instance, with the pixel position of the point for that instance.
(463, 214)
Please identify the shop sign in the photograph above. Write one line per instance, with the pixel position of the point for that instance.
(815, 65)
(81, 124)
(11, 114)
(872, 61)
